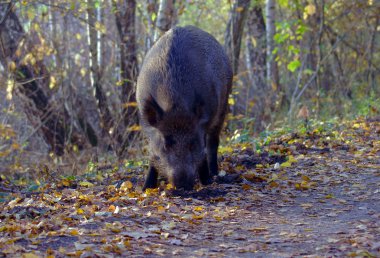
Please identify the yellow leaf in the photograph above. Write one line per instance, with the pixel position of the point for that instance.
(15, 146)
(254, 42)
(99, 178)
(286, 164)
(218, 218)
(52, 82)
(36, 27)
(239, 9)
(151, 191)
(12, 66)
(310, 9)
(10, 87)
(292, 159)
(80, 211)
(224, 149)
(75, 148)
(169, 187)
(161, 209)
(273, 184)
(74, 232)
(83, 72)
(65, 182)
(86, 184)
(198, 216)
(30, 255)
(127, 243)
(126, 185)
(131, 104)
(100, 27)
(134, 128)
(112, 208)
(246, 187)
(198, 208)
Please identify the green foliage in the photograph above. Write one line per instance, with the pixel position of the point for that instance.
(288, 34)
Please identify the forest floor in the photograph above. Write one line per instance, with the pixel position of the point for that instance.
(307, 194)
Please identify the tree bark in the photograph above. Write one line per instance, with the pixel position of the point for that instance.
(125, 22)
(256, 45)
(100, 96)
(165, 18)
(256, 62)
(234, 31)
(272, 69)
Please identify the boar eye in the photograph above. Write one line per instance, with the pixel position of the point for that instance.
(169, 141)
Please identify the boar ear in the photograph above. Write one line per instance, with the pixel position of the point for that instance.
(152, 112)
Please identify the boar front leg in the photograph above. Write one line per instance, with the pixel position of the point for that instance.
(151, 178)
(204, 173)
(212, 152)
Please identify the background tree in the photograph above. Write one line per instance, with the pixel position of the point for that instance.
(126, 27)
(165, 18)
(29, 72)
(234, 31)
(68, 68)
(255, 49)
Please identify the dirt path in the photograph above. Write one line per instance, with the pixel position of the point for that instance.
(323, 201)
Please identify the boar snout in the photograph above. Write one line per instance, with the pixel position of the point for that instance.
(183, 178)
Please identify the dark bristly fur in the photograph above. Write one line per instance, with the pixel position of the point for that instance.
(182, 95)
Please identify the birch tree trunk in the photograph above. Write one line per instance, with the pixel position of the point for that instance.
(165, 18)
(234, 31)
(100, 96)
(272, 69)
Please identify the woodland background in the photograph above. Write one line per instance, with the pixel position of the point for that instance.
(68, 70)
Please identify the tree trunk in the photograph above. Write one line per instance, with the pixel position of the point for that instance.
(125, 22)
(100, 96)
(32, 79)
(256, 44)
(150, 8)
(256, 62)
(272, 69)
(273, 80)
(165, 18)
(234, 31)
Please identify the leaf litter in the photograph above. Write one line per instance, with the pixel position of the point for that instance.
(303, 194)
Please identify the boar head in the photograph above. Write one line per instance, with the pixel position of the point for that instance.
(177, 140)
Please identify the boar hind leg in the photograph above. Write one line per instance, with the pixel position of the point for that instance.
(204, 173)
(151, 178)
(212, 152)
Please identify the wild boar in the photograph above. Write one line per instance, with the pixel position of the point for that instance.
(182, 95)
